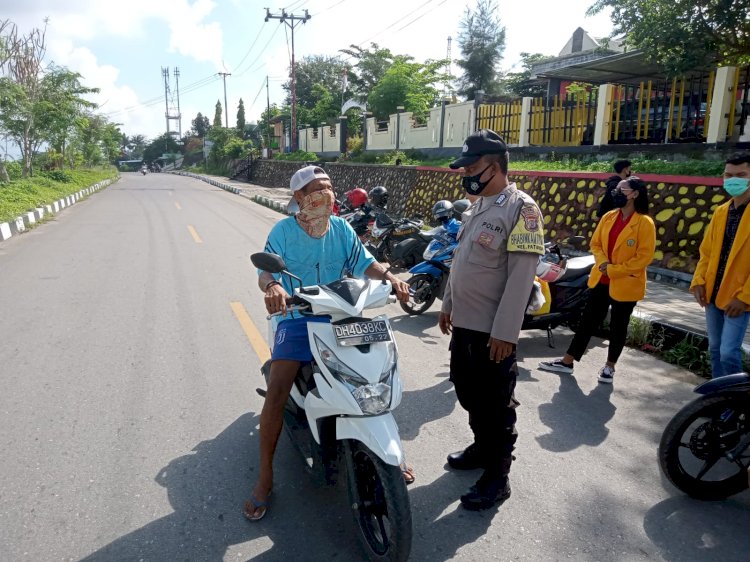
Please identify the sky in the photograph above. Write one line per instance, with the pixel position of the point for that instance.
(121, 47)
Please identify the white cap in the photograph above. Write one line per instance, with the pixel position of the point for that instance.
(305, 175)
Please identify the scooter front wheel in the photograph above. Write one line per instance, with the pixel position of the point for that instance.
(421, 294)
(380, 504)
(695, 448)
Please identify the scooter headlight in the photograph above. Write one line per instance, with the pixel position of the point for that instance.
(373, 399)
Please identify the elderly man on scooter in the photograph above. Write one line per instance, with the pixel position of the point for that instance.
(318, 248)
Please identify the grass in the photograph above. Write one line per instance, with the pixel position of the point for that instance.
(553, 164)
(22, 195)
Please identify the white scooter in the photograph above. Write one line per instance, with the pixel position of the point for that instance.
(339, 409)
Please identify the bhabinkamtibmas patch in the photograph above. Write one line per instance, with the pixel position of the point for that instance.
(528, 234)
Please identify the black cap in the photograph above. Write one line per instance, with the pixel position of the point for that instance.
(477, 144)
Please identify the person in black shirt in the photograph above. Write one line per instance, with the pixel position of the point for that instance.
(622, 172)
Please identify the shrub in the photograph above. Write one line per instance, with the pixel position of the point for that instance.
(297, 156)
(59, 175)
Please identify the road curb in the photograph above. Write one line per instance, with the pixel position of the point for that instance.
(23, 222)
(260, 199)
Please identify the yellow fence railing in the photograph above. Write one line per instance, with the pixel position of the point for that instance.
(564, 121)
(504, 118)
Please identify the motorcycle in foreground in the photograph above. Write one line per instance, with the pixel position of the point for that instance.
(705, 448)
(429, 277)
(564, 294)
(339, 409)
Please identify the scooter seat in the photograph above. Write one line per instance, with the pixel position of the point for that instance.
(578, 267)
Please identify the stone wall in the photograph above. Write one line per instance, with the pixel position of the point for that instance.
(680, 205)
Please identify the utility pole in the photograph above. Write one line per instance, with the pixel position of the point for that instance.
(448, 57)
(226, 109)
(268, 120)
(292, 21)
(165, 74)
(179, 113)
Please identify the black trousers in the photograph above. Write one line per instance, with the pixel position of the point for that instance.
(485, 390)
(594, 314)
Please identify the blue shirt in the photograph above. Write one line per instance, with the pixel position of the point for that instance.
(317, 261)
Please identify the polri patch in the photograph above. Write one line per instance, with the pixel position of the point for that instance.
(485, 238)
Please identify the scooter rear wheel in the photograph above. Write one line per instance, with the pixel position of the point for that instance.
(422, 294)
(380, 504)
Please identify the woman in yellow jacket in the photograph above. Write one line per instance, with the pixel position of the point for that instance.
(623, 245)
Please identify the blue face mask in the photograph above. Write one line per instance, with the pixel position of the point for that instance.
(736, 186)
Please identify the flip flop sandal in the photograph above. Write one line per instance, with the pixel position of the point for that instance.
(408, 473)
(252, 506)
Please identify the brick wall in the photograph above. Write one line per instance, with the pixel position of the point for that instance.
(680, 205)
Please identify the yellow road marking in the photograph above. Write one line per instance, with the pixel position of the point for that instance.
(194, 234)
(176, 204)
(253, 335)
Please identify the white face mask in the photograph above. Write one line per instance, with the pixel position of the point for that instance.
(315, 212)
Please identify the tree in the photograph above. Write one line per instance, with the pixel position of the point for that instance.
(201, 125)
(369, 69)
(165, 144)
(217, 114)
(407, 83)
(21, 70)
(319, 84)
(61, 107)
(517, 84)
(482, 42)
(266, 125)
(683, 34)
(241, 117)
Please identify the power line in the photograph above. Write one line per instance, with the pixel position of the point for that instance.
(249, 50)
(395, 23)
(421, 16)
(260, 54)
(331, 7)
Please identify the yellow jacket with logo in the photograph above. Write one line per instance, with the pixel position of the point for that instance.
(633, 252)
(736, 281)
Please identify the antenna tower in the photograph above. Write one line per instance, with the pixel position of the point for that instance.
(172, 103)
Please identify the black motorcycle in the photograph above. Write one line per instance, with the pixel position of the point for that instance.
(705, 448)
(388, 237)
(568, 293)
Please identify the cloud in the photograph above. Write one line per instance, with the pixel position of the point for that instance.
(188, 31)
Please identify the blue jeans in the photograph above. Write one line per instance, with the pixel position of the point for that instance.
(725, 337)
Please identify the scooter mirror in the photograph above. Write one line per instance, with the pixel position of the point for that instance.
(272, 263)
(576, 241)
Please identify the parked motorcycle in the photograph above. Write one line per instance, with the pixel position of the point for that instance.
(429, 277)
(387, 236)
(339, 409)
(567, 290)
(705, 448)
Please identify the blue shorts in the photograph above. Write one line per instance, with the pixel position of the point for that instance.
(291, 340)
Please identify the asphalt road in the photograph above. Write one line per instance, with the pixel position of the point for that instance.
(128, 417)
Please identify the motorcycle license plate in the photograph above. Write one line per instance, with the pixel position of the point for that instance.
(359, 333)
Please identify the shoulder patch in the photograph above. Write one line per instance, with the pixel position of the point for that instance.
(528, 233)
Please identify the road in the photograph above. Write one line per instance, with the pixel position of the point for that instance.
(128, 416)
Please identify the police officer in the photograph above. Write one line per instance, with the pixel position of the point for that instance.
(500, 242)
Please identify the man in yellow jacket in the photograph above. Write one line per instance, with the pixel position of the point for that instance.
(721, 282)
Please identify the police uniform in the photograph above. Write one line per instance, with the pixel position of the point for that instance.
(500, 241)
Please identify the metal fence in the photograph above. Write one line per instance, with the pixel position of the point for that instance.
(563, 120)
(739, 110)
(502, 117)
(676, 110)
